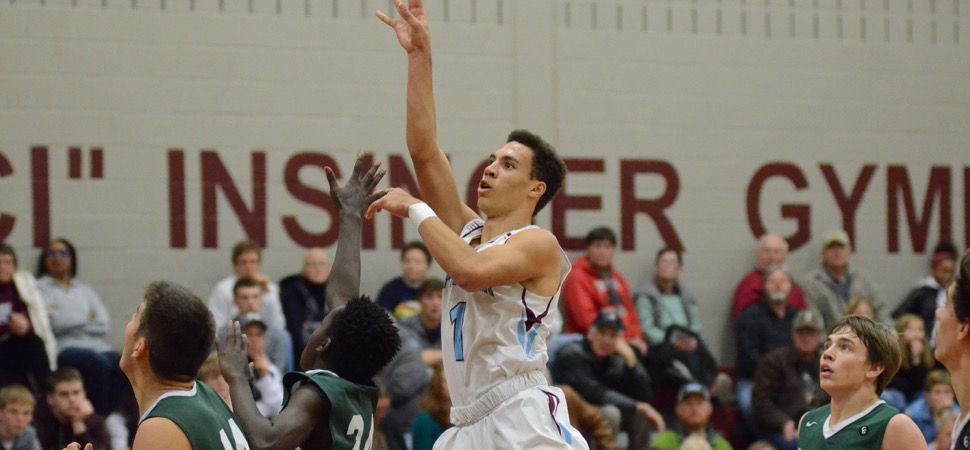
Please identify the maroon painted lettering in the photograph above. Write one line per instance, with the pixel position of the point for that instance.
(564, 202)
(966, 205)
(848, 204)
(631, 205)
(41, 191)
(898, 188)
(74, 163)
(177, 219)
(6, 220)
(318, 197)
(216, 178)
(800, 212)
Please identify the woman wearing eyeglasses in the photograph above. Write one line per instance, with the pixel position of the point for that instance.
(80, 323)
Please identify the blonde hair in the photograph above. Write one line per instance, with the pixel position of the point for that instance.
(858, 302)
(16, 394)
(907, 358)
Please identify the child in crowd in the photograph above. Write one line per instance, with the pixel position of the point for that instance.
(16, 413)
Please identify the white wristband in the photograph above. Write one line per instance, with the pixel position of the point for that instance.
(418, 212)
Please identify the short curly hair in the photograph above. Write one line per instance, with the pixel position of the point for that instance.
(547, 166)
(363, 340)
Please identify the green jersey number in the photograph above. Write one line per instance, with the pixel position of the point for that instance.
(237, 437)
(356, 429)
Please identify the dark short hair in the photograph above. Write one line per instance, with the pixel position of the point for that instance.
(417, 245)
(6, 249)
(660, 253)
(882, 345)
(42, 259)
(62, 375)
(961, 289)
(430, 285)
(547, 167)
(363, 339)
(246, 247)
(179, 330)
(600, 234)
(244, 282)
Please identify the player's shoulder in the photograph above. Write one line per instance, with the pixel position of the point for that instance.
(160, 433)
(903, 433)
(535, 237)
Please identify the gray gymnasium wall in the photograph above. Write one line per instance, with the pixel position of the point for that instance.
(692, 123)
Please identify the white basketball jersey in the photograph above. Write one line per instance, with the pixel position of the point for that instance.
(491, 335)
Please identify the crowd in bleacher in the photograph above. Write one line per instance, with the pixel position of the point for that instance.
(634, 361)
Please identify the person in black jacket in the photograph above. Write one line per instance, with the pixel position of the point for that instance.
(930, 292)
(606, 372)
(303, 297)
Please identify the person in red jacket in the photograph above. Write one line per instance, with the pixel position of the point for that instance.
(772, 252)
(593, 286)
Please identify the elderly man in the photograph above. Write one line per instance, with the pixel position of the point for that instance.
(772, 252)
(830, 288)
(694, 411)
(304, 299)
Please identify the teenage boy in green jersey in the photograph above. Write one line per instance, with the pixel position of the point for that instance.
(860, 358)
(331, 405)
(953, 348)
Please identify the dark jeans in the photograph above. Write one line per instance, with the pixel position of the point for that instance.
(104, 382)
(23, 360)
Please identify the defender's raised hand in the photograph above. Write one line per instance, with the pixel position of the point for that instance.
(412, 27)
(234, 354)
(355, 196)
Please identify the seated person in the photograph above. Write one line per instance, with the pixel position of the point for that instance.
(248, 299)
(211, 375)
(400, 295)
(435, 416)
(930, 292)
(16, 413)
(426, 326)
(917, 361)
(694, 411)
(606, 372)
(80, 322)
(926, 409)
(772, 252)
(594, 285)
(944, 429)
(267, 382)
(303, 297)
(69, 416)
(247, 260)
(786, 384)
(27, 346)
(861, 307)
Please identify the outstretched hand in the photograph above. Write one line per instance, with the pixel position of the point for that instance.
(355, 196)
(234, 354)
(412, 27)
(395, 200)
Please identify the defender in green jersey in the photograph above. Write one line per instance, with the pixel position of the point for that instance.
(331, 405)
(860, 358)
(953, 347)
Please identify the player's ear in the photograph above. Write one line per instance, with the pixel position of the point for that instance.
(875, 369)
(140, 349)
(538, 189)
(324, 346)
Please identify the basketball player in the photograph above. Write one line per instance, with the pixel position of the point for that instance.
(331, 405)
(860, 358)
(504, 274)
(953, 348)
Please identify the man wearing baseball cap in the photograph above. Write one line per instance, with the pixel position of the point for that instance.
(606, 372)
(694, 411)
(830, 288)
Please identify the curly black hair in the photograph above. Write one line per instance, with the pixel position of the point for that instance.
(363, 339)
(546, 165)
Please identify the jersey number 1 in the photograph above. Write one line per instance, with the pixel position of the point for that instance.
(457, 314)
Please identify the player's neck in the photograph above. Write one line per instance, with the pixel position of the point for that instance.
(847, 405)
(961, 385)
(497, 226)
(148, 388)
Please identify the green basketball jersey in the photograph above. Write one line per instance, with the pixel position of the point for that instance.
(962, 441)
(865, 432)
(203, 416)
(352, 407)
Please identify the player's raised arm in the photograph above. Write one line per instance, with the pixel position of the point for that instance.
(351, 201)
(435, 176)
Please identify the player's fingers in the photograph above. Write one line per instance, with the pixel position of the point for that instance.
(355, 175)
(371, 173)
(376, 196)
(383, 18)
(331, 178)
(374, 208)
(372, 179)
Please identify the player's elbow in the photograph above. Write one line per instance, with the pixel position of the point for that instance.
(472, 280)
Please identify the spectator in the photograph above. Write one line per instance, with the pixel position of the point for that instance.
(80, 323)
(861, 307)
(399, 295)
(212, 375)
(606, 372)
(247, 257)
(786, 384)
(944, 429)
(589, 420)
(594, 285)
(694, 411)
(917, 361)
(829, 288)
(939, 398)
(248, 299)
(303, 297)
(69, 417)
(435, 418)
(267, 381)
(762, 328)
(16, 413)
(772, 252)
(27, 343)
(406, 380)
(930, 292)
(426, 325)
(664, 301)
